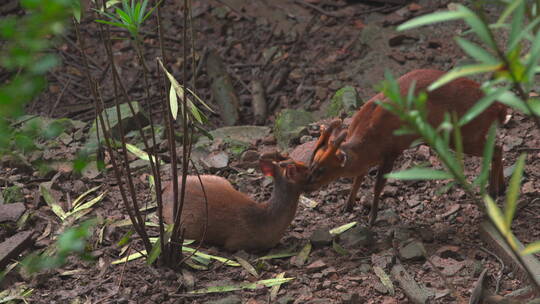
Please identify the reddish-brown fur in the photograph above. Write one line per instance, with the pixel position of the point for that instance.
(235, 221)
(370, 140)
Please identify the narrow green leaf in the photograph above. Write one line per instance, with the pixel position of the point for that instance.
(385, 279)
(339, 230)
(117, 24)
(508, 11)
(430, 19)
(463, 71)
(419, 174)
(482, 179)
(44, 189)
(531, 248)
(338, 248)
(510, 99)
(277, 256)
(275, 289)
(87, 205)
(478, 26)
(495, 214)
(482, 104)
(247, 266)
(173, 102)
(254, 285)
(517, 21)
(303, 255)
(124, 17)
(78, 200)
(476, 52)
(139, 153)
(154, 253)
(534, 55)
(225, 261)
(513, 191)
(526, 33)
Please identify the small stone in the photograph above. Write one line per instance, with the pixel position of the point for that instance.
(356, 237)
(412, 251)
(316, 266)
(365, 268)
(321, 238)
(388, 216)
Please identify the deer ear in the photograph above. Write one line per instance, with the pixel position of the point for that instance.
(268, 167)
(342, 157)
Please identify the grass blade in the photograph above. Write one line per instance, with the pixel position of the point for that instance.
(430, 19)
(420, 174)
(463, 71)
(476, 52)
(531, 248)
(481, 105)
(513, 191)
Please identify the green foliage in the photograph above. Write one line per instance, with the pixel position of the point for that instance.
(130, 17)
(27, 38)
(513, 76)
(72, 241)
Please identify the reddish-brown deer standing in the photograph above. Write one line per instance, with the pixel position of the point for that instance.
(370, 140)
(234, 220)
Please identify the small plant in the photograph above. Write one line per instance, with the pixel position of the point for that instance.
(513, 71)
(130, 17)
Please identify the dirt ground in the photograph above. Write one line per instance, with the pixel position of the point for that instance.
(320, 46)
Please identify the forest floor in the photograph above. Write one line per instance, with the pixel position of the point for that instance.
(303, 52)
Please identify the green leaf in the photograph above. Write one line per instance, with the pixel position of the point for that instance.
(419, 174)
(173, 102)
(385, 279)
(531, 248)
(510, 99)
(513, 191)
(139, 153)
(534, 55)
(463, 71)
(154, 253)
(254, 285)
(86, 205)
(476, 52)
(525, 33)
(478, 26)
(430, 19)
(339, 230)
(247, 266)
(225, 261)
(495, 214)
(482, 178)
(303, 255)
(508, 11)
(517, 21)
(339, 249)
(44, 189)
(534, 104)
(275, 289)
(481, 105)
(276, 256)
(78, 200)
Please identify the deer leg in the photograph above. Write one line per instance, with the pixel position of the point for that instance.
(352, 195)
(385, 168)
(496, 176)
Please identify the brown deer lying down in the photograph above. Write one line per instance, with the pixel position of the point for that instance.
(370, 141)
(235, 221)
